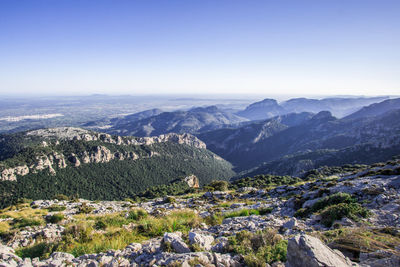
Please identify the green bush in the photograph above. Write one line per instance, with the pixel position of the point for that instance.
(332, 200)
(24, 200)
(61, 197)
(219, 185)
(337, 212)
(259, 248)
(137, 214)
(23, 222)
(56, 208)
(100, 225)
(264, 211)
(85, 209)
(169, 199)
(214, 219)
(263, 181)
(56, 218)
(41, 250)
(301, 213)
(325, 202)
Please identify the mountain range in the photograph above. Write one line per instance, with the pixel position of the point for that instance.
(207, 142)
(339, 107)
(286, 137)
(192, 121)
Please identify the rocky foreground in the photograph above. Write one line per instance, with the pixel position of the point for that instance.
(346, 219)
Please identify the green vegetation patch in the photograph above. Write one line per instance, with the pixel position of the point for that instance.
(336, 212)
(264, 181)
(95, 234)
(259, 248)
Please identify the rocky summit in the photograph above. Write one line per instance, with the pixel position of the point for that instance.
(337, 216)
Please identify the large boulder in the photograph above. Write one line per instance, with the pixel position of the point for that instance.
(305, 250)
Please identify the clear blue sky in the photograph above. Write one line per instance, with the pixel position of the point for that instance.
(199, 46)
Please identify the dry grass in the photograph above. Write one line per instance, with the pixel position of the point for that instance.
(24, 212)
(82, 237)
(356, 240)
(4, 227)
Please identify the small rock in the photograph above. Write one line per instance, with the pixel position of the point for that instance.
(177, 244)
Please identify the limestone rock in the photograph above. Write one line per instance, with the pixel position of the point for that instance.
(192, 181)
(176, 242)
(305, 250)
(204, 241)
(290, 224)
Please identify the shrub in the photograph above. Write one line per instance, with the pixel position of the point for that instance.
(23, 222)
(100, 225)
(264, 211)
(24, 200)
(55, 218)
(41, 250)
(258, 248)
(78, 233)
(214, 219)
(332, 200)
(84, 208)
(137, 214)
(169, 199)
(301, 213)
(56, 208)
(219, 185)
(61, 197)
(263, 181)
(339, 211)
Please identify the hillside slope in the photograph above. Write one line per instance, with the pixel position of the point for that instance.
(376, 109)
(93, 165)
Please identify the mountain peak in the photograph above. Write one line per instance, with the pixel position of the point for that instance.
(264, 103)
(263, 109)
(323, 115)
(205, 109)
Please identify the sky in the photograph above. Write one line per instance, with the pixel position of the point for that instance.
(320, 47)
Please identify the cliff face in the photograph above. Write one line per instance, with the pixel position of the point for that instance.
(71, 133)
(99, 154)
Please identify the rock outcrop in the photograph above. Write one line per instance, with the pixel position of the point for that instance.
(71, 133)
(305, 250)
(100, 154)
(10, 174)
(192, 181)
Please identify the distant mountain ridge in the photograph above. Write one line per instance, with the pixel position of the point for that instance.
(321, 132)
(376, 109)
(263, 109)
(192, 121)
(340, 107)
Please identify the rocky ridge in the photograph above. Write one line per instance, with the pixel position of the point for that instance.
(100, 154)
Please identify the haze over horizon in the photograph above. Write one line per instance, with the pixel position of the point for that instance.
(200, 47)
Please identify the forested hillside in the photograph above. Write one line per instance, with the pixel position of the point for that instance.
(106, 170)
